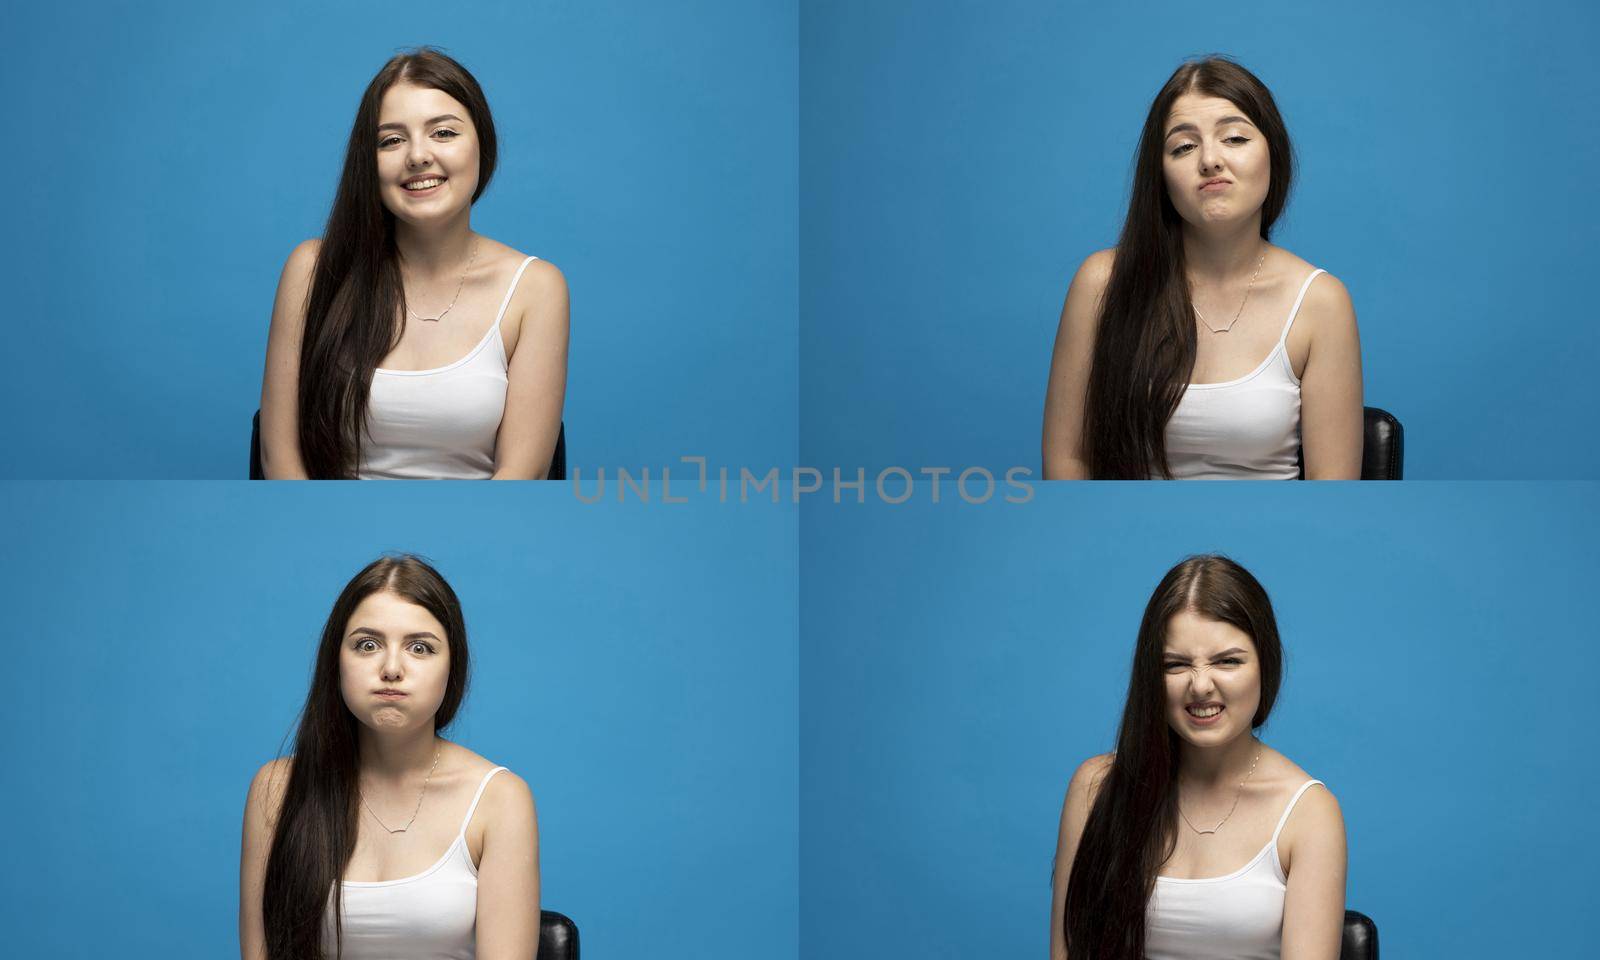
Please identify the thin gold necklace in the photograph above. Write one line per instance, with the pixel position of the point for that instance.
(1246, 299)
(1237, 794)
(459, 285)
(419, 796)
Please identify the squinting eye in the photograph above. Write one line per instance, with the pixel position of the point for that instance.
(1182, 147)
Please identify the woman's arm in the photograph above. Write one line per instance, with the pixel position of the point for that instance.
(260, 814)
(508, 876)
(1074, 814)
(1330, 388)
(537, 378)
(280, 385)
(1313, 852)
(1069, 369)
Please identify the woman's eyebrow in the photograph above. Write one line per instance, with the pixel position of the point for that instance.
(1224, 120)
(401, 126)
(369, 631)
(1169, 655)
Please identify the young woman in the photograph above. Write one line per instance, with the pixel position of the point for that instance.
(1195, 840)
(377, 838)
(403, 343)
(1196, 349)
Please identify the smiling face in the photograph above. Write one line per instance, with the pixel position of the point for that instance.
(425, 133)
(392, 643)
(1209, 138)
(1213, 679)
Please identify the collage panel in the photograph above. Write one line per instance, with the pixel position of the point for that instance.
(221, 211)
(1063, 236)
(967, 671)
(634, 672)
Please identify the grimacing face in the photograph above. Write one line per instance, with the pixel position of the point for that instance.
(392, 643)
(1206, 138)
(1213, 679)
(425, 132)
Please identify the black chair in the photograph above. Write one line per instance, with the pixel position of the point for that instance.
(1383, 446)
(558, 937)
(1360, 938)
(558, 461)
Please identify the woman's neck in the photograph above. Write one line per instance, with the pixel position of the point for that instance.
(1221, 255)
(435, 254)
(398, 757)
(1220, 766)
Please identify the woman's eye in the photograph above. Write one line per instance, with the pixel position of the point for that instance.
(1178, 150)
(362, 645)
(1175, 666)
(423, 646)
(388, 140)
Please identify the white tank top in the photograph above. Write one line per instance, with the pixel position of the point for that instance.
(1236, 917)
(429, 916)
(1244, 429)
(439, 424)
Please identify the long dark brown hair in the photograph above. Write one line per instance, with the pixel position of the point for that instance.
(1145, 346)
(1131, 828)
(355, 309)
(316, 827)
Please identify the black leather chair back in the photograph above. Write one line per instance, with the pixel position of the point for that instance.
(256, 473)
(558, 461)
(1360, 937)
(1383, 446)
(558, 936)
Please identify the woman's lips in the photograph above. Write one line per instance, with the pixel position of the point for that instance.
(1205, 721)
(425, 193)
(1214, 187)
(391, 696)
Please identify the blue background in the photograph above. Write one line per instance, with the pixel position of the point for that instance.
(959, 663)
(961, 158)
(173, 153)
(636, 665)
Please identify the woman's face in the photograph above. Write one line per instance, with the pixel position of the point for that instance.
(423, 132)
(1213, 679)
(1207, 138)
(391, 643)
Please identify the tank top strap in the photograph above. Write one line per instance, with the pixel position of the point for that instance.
(1290, 808)
(1295, 310)
(506, 302)
(476, 797)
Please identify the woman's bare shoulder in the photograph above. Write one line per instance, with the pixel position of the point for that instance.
(267, 787)
(1091, 773)
(1095, 270)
